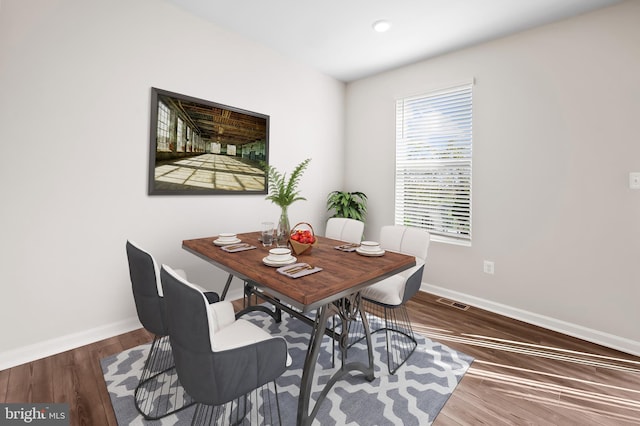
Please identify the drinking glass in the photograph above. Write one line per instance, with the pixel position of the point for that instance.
(267, 234)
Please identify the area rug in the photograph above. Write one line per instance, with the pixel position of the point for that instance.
(413, 396)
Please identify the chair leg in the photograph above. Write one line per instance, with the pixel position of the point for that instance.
(260, 406)
(401, 341)
(399, 336)
(159, 392)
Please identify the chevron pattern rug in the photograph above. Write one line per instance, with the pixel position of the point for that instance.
(413, 396)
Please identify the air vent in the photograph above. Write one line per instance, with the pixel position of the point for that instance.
(453, 303)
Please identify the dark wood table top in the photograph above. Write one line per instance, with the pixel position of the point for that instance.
(343, 273)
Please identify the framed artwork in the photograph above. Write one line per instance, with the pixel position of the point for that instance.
(199, 147)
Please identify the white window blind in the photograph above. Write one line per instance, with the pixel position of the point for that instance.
(433, 163)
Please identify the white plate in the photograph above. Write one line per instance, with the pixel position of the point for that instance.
(268, 262)
(225, 242)
(369, 253)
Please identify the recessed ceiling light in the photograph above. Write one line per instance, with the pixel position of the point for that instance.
(381, 26)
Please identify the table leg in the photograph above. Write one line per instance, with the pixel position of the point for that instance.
(310, 366)
(249, 291)
(367, 334)
(226, 287)
(353, 305)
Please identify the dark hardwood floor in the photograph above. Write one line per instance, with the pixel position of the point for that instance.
(522, 374)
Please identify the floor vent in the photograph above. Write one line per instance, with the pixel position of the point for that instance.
(453, 303)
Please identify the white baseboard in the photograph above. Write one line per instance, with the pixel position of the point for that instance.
(14, 357)
(590, 335)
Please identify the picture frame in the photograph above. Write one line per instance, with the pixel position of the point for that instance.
(200, 147)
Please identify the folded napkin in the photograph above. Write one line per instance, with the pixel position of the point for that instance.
(347, 247)
(232, 248)
(298, 270)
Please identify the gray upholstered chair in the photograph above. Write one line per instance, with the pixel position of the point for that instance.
(158, 392)
(228, 365)
(387, 299)
(344, 229)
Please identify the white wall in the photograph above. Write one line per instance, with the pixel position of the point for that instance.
(75, 79)
(556, 113)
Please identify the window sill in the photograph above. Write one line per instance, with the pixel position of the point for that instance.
(449, 240)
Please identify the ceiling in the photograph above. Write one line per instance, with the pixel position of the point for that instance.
(336, 36)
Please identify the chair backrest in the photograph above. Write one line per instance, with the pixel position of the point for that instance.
(344, 229)
(188, 324)
(411, 241)
(147, 289)
(406, 240)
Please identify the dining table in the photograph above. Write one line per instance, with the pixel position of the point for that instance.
(336, 275)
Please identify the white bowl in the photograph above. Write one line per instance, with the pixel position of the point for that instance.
(279, 254)
(227, 236)
(371, 246)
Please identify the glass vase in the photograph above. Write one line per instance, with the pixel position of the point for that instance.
(283, 230)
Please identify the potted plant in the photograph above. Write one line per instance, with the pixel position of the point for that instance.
(283, 193)
(348, 204)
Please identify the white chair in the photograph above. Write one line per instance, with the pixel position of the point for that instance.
(387, 299)
(344, 229)
(228, 365)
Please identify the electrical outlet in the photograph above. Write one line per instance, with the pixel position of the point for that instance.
(489, 267)
(634, 180)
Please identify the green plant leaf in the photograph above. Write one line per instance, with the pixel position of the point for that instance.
(283, 192)
(347, 204)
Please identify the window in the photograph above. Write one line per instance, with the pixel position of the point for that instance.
(433, 163)
(163, 127)
(180, 135)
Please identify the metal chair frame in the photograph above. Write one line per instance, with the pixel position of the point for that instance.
(159, 393)
(394, 321)
(240, 410)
